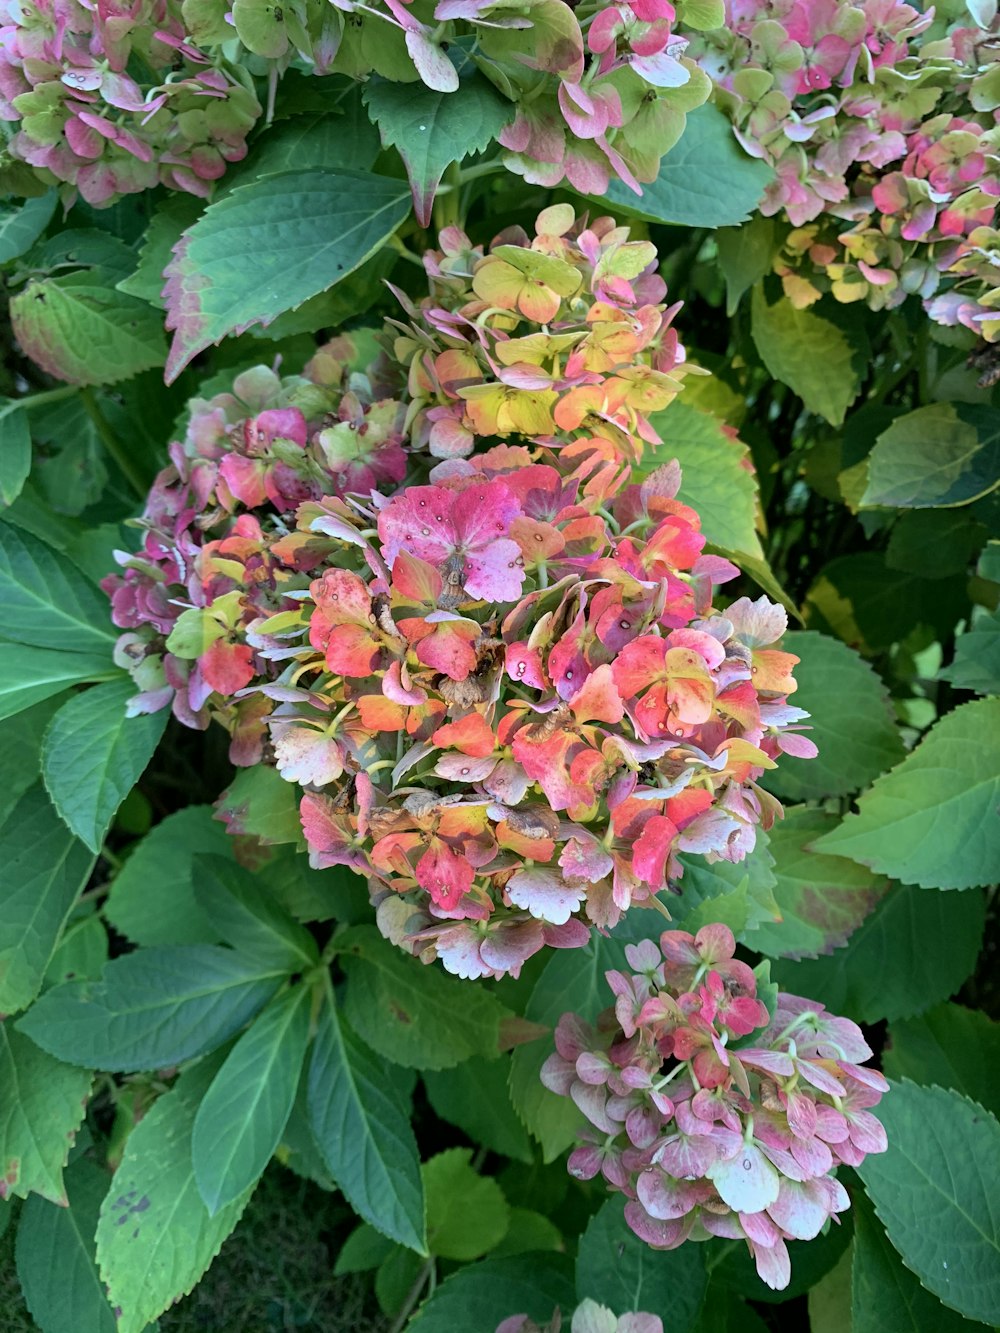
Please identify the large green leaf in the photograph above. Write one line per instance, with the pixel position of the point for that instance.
(740, 894)
(914, 950)
(475, 1097)
(433, 129)
(30, 675)
(706, 179)
(615, 1268)
(479, 1296)
(268, 247)
(93, 755)
(713, 479)
(808, 353)
(951, 1046)
(885, 1296)
(935, 1192)
(823, 899)
(152, 898)
(171, 218)
(46, 601)
(44, 869)
(60, 1241)
(414, 1015)
(152, 1008)
(243, 1115)
(325, 139)
(835, 682)
(467, 1214)
(155, 1237)
(244, 913)
(259, 802)
(79, 328)
(746, 254)
(932, 820)
(941, 455)
(15, 450)
(42, 1103)
(572, 980)
(362, 1127)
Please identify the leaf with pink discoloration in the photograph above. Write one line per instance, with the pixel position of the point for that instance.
(267, 247)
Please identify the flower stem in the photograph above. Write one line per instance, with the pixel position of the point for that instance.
(46, 397)
(413, 1295)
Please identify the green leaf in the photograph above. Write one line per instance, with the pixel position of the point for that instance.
(467, 1214)
(42, 1103)
(44, 869)
(21, 224)
(572, 979)
(152, 1008)
(47, 602)
(474, 1096)
(713, 479)
(951, 1046)
(706, 180)
(941, 455)
(932, 820)
(746, 254)
(615, 1268)
(914, 950)
(416, 1016)
(885, 1296)
(80, 329)
(740, 894)
(479, 1296)
(529, 1231)
(362, 1251)
(976, 665)
(808, 353)
(259, 802)
(152, 898)
(362, 1126)
(243, 1115)
(30, 675)
(15, 450)
(823, 899)
(433, 129)
(834, 682)
(243, 912)
(872, 607)
(933, 543)
(82, 953)
(268, 247)
(94, 754)
(21, 751)
(172, 217)
(155, 1237)
(317, 141)
(61, 1240)
(829, 1301)
(935, 1193)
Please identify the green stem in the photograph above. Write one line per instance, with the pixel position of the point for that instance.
(480, 169)
(413, 1295)
(112, 443)
(48, 396)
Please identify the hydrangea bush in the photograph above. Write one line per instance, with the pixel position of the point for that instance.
(500, 713)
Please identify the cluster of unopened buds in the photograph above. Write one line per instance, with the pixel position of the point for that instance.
(507, 693)
(588, 1317)
(716, 1111)
(69, 81)
(882, 129)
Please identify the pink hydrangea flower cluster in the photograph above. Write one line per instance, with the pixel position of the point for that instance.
(714, 1112)
(588, 1317)
(885, 140)
(251, 455)
(507, 693)
(110, 100)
